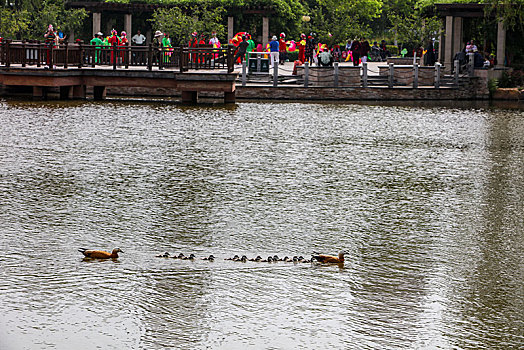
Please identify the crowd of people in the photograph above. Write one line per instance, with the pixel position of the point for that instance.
(309, 49)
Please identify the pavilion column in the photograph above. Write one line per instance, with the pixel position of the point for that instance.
(127, 25)
(448, 43)
(501, 44)
(97, 21)
(230, 23)
(265, 31)
(457, 35)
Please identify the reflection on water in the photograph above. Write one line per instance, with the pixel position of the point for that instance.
(426, 200)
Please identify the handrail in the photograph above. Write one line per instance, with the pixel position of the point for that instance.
(78, 54)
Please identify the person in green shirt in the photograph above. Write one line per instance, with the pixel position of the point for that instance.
(98, 45)
(166, 42)
(251, 46)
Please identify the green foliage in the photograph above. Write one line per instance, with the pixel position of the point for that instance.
(335, 21)
(393, 50)
(13, 22)
(511, 80)
(414, 29)
(30, 18)
(493, 85)
(179, 24)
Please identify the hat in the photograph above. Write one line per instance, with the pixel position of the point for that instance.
(158, 33)
(282, 35)
(274, 37)
(100, 34)
(123, 33)
(194, 34)
(302, 35)
(113, 31)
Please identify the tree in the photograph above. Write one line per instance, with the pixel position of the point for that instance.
(28, 19)
(179, 24)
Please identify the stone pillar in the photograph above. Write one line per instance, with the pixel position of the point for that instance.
(66, 92)
(229, 97)
(457, 35)
(265, 31)
(39, 92)
(501, 44)
(99, 93)
(79, 92)
(448, 43)
(127, 25)
(97, 20)
(189, 96)
(230, 28)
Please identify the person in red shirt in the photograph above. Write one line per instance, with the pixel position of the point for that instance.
(282, 48)
(113, 40)
(302, 48)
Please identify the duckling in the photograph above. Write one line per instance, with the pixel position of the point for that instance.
(300, 258)
(295, 259)
(243, 258)
(269, 259)
(209, 258)
(190, 257)
(165, 255)
(257, 259)
(286, 259)
(233, 258)
(179, 256)
(275, 258)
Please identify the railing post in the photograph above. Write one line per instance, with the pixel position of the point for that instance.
(335, 66)
(306, 74)
(230, 58)
(114, 55)
(150, 57)
(259, 62)
(365, 74)
(275, 75)
(457, 71)
(471, 59)
(38, 53)
(161, 57)
(52, 56)
(81, 53)
(127, 55)
(415, 76)
(437, 75)
(66, 58)
(24, 53)
(181, 58)
(244, 75)
(391, 74)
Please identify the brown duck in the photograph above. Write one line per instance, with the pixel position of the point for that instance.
(100, 254)
(330, 259)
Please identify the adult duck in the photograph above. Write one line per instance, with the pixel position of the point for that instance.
(100, 254)
(330, 259)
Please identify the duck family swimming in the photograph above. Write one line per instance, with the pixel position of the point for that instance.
(319, 258)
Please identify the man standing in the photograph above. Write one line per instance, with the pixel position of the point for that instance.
(139, 39)
(273, 51)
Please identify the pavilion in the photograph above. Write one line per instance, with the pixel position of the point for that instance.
(452, 39)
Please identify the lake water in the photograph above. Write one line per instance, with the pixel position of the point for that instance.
(427, 201)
